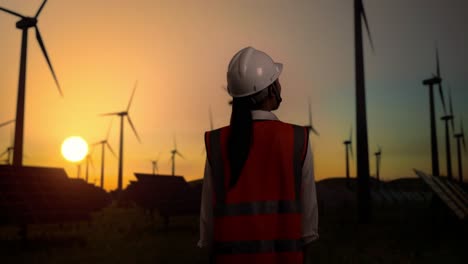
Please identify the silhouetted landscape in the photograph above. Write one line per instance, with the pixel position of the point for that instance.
(50, 216)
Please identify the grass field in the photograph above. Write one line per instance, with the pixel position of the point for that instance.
(127, 235)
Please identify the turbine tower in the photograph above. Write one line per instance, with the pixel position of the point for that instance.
(310, 127)
(363, 190)
(104, 143)
(122, 115)
(348, 149)
(24, 24)
(378, 156)
(431, 82)
(448, 152)
(460, 137)
(173, 153)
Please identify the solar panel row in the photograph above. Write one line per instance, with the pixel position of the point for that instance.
(169, 195)
(37, 195)
(449, 192)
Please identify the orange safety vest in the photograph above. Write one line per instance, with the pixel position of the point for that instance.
(259, 219)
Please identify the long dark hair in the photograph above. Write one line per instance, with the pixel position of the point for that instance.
(240, 137)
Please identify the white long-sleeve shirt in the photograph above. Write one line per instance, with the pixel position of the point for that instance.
(309, 196)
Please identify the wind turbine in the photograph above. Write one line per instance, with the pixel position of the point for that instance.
(8, 152)
(211, 126)
(173, 153)
(155, 164)
(122, 115)
(378, 156)
(310, 127)
(363, 190)
(460, 137)
(9, 149)
(24, 24)
(89, 160)
(435, 80)
(104, 143)
(448, 151)
(348, 148)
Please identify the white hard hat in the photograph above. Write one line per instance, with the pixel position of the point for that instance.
(251, 71)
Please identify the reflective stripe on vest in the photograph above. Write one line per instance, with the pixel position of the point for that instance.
(248, 228)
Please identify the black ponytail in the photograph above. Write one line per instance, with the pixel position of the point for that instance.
(240, 137)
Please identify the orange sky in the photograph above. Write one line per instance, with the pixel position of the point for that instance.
(179, 51)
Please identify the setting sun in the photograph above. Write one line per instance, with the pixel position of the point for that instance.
(74, 148)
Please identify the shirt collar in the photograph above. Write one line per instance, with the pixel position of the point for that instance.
(263, 115)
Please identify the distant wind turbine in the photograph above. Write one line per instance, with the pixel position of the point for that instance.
(122, 115)
(89, 160)
(173, 153)
(9, 150)
(24, 24)
(155, 164)
(104, 143)
(435, 80)
(348, 149)
(363, 190)
(310, 127)
(446, 118)
(378, 156)
(460, 137)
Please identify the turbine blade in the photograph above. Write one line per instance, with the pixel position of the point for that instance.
(108, 130)
(5, 152)
(108, 114)
(437, 61)
(44, 51)
(180, 155)
(351, 134)
(131, 98)
(211, 118)
(363, 13)
(351, 150)
(175, 142)
(110, 148)
(314, 131)
(133, 128)
(451, 109)
(40, 9)
(463, 135)
(11, 12)
(441, 92)
(6, 123)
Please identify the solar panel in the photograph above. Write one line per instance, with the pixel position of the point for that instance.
(452, 196)
(386, 196)
(445, 191)
(37, 195)
(170, 195)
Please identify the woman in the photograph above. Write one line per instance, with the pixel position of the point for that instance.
(259, 201)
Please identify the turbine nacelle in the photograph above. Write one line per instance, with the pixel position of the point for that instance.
(26, 22)
(432, 81)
